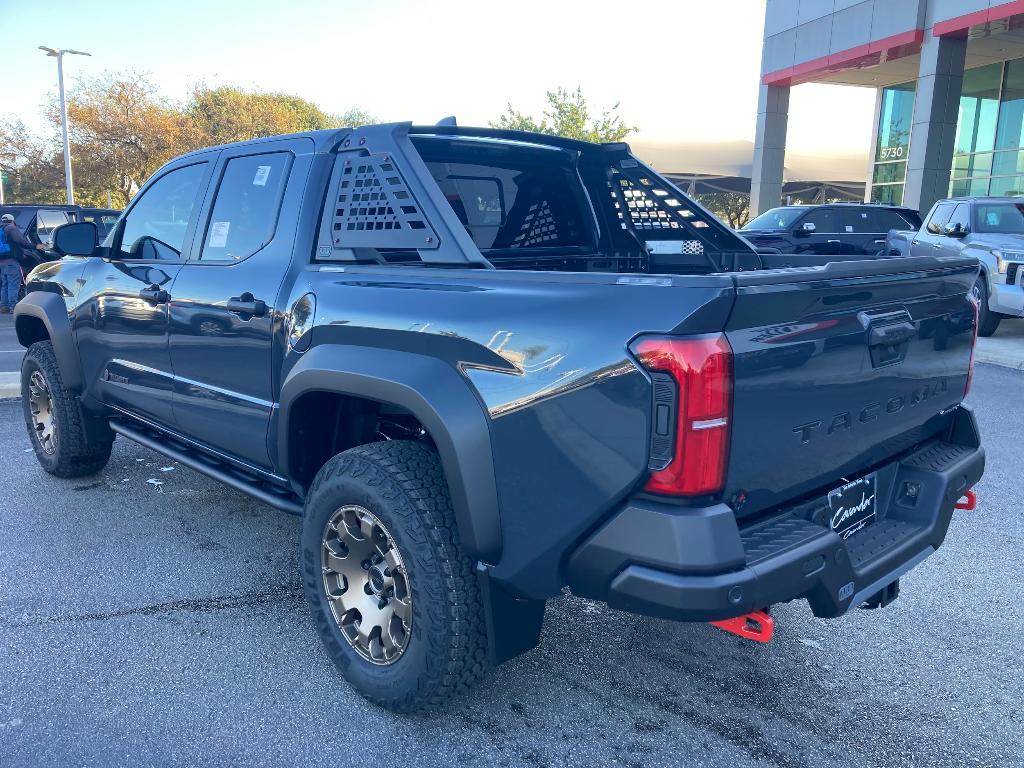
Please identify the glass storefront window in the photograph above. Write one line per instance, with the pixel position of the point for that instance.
(968, 187)
(1010, 131)
(886, 173)
(1008, 186)
(989, 151)
(894, 120)
(979, 106)
(891, 194)
(972, 165)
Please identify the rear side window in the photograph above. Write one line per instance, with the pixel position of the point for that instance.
(47, 221)
(939, 218)
(512, 201)
(245, 210)
(854, 220)
(824, 220)
(882, 220)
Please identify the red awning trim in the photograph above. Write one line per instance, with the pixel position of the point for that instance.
(867, 55)
(958, 26)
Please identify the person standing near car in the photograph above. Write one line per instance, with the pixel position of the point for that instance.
(13, 245)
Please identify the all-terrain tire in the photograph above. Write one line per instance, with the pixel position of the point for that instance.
(401, 483)
(988, 321)
(72, 454)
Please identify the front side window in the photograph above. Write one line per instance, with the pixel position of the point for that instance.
(245, 211)
(776, 218)
(960, 220)
(939, 218)
(155, 226)
(1006, 218)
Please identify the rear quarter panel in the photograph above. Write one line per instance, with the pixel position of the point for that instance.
(546, 356)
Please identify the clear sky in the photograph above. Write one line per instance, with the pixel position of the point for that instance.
(682, 69)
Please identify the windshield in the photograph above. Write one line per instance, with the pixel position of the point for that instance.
(776, 218)
(1007, 218)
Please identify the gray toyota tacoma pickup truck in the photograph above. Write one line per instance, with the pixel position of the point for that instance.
(485, 365)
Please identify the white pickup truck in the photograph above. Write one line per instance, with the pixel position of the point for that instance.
(989, 228)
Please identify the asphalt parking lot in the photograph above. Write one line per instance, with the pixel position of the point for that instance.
(146, 624)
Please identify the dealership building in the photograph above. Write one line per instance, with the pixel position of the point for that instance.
(949, 115)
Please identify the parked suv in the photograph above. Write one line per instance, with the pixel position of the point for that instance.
(833, 229)
(485, 365)
(991, 229)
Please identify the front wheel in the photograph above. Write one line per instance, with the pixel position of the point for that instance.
(988, 321)
(55, 423)
(394, 597)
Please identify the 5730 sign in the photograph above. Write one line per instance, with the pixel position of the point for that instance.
(892, 153)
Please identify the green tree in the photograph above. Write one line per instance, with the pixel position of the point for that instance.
(568, 114)
(227, 113)
(33, 172)
(732, 207)
(122, 130)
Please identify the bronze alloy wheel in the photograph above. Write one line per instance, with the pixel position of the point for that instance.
(366, 584)
(41, 408)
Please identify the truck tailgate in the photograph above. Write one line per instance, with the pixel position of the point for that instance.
(838, 368)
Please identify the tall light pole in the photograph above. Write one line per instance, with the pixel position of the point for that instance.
(58, 53)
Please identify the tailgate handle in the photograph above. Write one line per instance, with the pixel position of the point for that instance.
(888, 336)
(891, 334)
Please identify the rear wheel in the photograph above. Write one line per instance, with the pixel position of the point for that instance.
(55, 423)
(394, 598)
(988, 321)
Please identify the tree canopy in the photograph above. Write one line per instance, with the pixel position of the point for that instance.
(568, 114)
(122, 129)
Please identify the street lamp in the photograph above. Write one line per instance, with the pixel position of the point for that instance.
(58, 53)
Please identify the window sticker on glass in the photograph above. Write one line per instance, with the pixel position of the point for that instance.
(262, 174)
(848, 228)
(219, 234)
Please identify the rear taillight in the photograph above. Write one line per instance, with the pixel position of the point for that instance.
(974, 342)
(691, 423)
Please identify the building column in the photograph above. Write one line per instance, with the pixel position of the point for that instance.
(872, 152)
(933, 132)
(769, 149)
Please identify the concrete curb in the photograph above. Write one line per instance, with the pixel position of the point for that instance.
(10, 385)
(1003, 350)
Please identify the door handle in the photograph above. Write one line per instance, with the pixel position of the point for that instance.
(880, 242)
(835, 242)
(936, 245)
(154, 295)
(247, 304)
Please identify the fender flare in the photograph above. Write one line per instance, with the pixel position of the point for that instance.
(50, 309)
(443, 402)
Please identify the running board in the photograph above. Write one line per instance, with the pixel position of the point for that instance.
(240, 481)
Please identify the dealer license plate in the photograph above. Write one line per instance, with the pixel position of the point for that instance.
(852, 506)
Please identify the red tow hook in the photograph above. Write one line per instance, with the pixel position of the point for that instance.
(756, 625)
(968, 501)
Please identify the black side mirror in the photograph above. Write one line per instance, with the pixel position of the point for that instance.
(78, 238)
(955, 231)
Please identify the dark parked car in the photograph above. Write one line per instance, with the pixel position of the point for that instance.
(38, 221)
(485, 365)
(991, 229)
(103, 218)
(834, 229)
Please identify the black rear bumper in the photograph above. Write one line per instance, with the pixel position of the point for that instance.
(697, 564)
